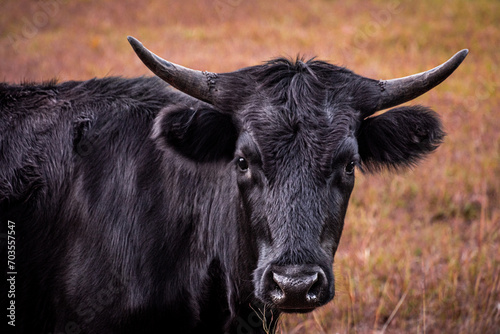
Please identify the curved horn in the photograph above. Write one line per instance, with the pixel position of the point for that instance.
(397, 91)
(200, 85)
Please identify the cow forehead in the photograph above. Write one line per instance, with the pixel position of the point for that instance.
(298, 96)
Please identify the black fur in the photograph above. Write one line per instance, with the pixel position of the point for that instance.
(132, 215)
(399, 138)
(202, 134)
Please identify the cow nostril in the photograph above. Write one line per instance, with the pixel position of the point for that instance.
(277, 292)
(314, 291)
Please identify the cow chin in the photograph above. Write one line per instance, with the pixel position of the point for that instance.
(295, 288)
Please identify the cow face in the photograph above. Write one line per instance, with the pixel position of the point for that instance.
(295, 198)
(292, 134)
(295, 161)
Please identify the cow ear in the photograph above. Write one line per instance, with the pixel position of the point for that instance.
(203, 134)
(399, 138)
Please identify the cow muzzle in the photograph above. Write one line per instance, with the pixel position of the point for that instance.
(296, 288)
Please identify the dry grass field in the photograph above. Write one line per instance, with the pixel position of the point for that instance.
(420, 252)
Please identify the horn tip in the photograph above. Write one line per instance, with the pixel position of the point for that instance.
(134, 41)
(462, 54)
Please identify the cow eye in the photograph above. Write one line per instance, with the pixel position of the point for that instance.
(349, 168)
(242, 164)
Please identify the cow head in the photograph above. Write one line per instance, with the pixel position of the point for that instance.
(294, 132)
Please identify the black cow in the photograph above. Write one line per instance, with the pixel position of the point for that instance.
(137, 208)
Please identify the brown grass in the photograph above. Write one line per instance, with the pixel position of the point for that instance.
(421, 250)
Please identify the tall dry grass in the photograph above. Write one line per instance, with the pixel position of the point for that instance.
(420, 251)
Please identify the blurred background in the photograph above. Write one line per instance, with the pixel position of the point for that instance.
(420, 251)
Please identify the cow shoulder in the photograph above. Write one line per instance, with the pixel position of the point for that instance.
(30, 117)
